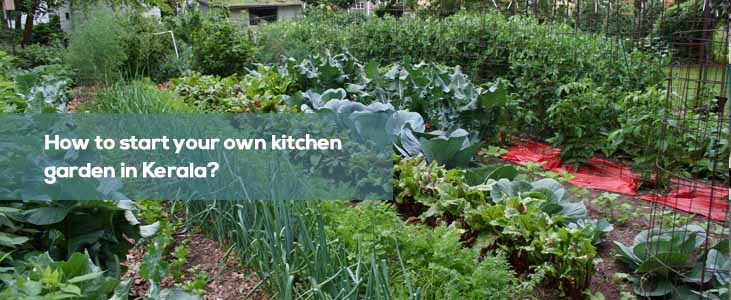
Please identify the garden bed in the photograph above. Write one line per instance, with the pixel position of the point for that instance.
(464, 221)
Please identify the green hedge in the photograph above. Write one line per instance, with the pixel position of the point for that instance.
(537, 59)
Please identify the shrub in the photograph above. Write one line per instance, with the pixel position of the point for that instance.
(536, 59)
(640, 129)
(10, 101)
(221, 47)
(36, 55)
(7, 63)
(149, 52)
(643, 134)
(96, 48)
(48, 33)
(173, 66)
(185, 24)
(110, 45)
(682, 28)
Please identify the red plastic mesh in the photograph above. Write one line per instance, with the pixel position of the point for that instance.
(600, 174)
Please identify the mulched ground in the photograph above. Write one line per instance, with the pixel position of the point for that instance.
(79, 95)
(227, 281)
(602, 281)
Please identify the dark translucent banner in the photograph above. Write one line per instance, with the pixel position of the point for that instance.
(297, 156)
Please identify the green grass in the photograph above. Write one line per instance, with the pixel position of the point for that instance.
(689, 78)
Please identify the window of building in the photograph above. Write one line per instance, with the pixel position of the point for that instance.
(359, 5)
(262, 14)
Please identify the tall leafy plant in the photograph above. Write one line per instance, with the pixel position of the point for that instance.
(221, 47)
(579, 120)
(96, 49)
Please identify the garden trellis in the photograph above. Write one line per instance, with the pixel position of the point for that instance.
(697, 106)
(696, 110)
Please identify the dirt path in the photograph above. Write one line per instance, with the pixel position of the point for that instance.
(603, 281)
(227, 280)
(79, 96)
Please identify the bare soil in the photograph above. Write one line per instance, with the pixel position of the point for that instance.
(228, 280)
(603, 281)
(80, 95)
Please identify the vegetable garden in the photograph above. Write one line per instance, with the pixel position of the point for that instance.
(642, 85)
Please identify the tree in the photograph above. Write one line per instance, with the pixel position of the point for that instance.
(31, 9)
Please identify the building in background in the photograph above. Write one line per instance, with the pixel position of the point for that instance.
(254, 12)
(380, 7)
(362, 6)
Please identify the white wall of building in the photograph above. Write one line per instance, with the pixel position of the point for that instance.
(242, 14)
(239, 15)
(43, 18)
(288, 12)
(64, 15)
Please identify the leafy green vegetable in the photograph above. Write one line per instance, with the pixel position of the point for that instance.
(480, 175)
(44, 88)
(534, 223)
(452, 149)
(262, 90)
(41, 277)
(579, 120)
(672, 262)
(434, 259)
(65, 228)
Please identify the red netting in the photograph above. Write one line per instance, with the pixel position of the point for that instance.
(600, 174)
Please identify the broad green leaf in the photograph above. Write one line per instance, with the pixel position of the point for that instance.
(11, 240)
(86, 277)
(653, 288)
(663, 262)
(476, 176)
(573, 211)
(71, 289)
(626, 254)
(121, 292)
(45, 215)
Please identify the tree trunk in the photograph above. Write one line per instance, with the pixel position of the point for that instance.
(28, 30)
